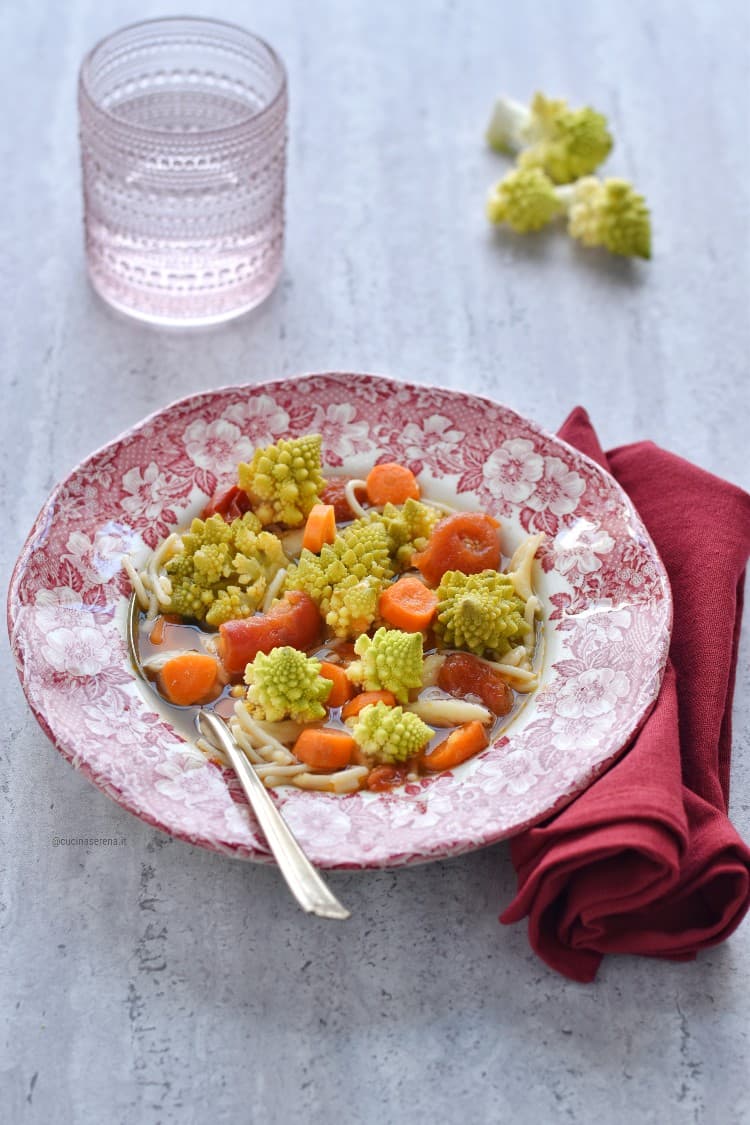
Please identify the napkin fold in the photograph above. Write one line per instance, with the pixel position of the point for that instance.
(646, 860)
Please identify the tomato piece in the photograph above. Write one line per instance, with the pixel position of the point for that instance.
(230, 504)
(465, 541)
(382, 778)
(294, 621)
(463, 675)
(334, 494)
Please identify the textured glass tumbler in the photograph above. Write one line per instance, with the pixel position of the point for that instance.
(183, 148)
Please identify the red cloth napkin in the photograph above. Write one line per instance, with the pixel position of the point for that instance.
(646, 860)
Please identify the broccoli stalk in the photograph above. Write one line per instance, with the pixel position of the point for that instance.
(563, 142)
(608, 213)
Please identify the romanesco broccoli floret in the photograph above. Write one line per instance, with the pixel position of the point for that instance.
(221, 571)
(353, 606)
(346, 578)
(286, 684)
(284, 480)
(525, 199)
(390, 734)
(565, 143)
(389, 661)
(409, 526)
(479, 612)
(609, 213)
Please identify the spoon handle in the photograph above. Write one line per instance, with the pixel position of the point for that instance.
(302, 878)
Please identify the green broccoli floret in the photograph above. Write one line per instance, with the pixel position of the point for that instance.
(390, 661)
(286, 684)
(284, 480)
(390, 734)
(608, 213)
(525, 199)
(565, 143)
(221, 571)
(353, 606)
(346, 578)
(479, 612)
(408, 525)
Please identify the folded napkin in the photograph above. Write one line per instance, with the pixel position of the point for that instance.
(646, 860)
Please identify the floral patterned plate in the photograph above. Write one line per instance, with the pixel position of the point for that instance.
(605, 594)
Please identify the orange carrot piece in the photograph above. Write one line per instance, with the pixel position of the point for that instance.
(463, 743)
(320, 527)
(391, 483)
(157, 633)
(408, 604)
(324, 749)
(189, 678)
(342, 689)
(364, 699)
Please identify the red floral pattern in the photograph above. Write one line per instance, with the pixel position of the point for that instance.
(604, 589)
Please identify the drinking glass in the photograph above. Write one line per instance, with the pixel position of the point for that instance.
(183, 149)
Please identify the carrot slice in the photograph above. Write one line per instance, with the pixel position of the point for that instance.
(342, 689)
(465, 541)
(463, 743)
(157, 633)
(320, 527)
(391, 483)
(324, 749)
(189, 678)
(408, 604)
(364, 699)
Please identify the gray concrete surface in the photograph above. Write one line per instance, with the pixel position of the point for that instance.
(160, 983)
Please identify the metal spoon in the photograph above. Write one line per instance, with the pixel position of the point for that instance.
(303, 880)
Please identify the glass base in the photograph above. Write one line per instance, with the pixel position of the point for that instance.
(188, 320)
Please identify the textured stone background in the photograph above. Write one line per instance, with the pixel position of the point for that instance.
(160, 983)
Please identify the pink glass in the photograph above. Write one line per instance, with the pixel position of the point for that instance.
(183, 148)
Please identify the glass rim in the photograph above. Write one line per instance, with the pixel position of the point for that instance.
(252, 116)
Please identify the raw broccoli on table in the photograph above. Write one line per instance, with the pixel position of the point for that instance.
(608, 213)
(563, 142)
